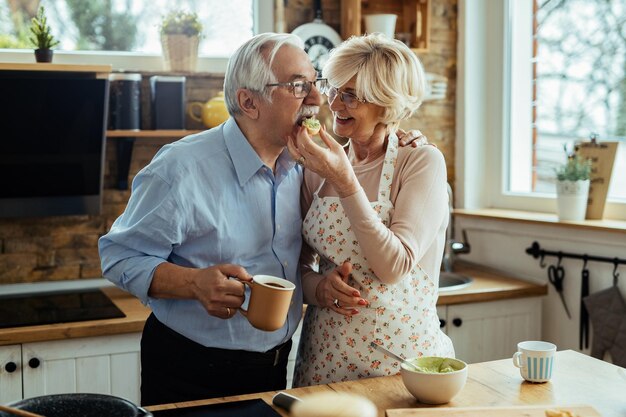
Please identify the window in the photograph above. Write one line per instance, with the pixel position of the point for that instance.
(536, 76)
(125, 33)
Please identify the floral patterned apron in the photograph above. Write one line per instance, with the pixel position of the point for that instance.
(402, 317)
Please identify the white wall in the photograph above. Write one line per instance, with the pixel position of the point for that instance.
(502, 245)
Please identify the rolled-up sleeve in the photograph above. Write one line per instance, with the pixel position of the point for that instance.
(142, 237)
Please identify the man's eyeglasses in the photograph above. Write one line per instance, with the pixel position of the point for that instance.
(350, 100)
(301, 89)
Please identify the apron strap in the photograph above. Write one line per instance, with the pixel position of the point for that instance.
(386, 177)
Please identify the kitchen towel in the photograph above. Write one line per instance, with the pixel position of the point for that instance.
(607, 312)
(247, 408)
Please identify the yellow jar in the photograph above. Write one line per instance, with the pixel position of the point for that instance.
(211, 113)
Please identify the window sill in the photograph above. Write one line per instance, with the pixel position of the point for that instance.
(618, 226)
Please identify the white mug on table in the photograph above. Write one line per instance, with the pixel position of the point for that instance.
(535, 360)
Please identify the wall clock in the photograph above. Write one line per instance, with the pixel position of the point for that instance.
(319, 39)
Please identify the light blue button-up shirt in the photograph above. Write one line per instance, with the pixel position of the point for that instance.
(208, 199)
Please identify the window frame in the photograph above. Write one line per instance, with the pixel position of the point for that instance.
(483, 113)
(142, 62)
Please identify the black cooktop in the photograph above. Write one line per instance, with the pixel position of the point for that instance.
(57, 307)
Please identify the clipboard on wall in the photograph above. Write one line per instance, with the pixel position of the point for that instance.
(602, 155)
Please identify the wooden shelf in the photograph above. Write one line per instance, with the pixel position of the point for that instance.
(517, 216)
(413, 18)
(150, 133)
(125, 141)
(6, 66)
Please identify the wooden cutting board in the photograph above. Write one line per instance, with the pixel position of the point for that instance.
(512, 411)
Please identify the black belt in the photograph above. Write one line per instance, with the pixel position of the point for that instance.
(271, 357)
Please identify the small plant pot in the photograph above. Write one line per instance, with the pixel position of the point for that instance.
(571, 199)
(43, 55)
(180, 52)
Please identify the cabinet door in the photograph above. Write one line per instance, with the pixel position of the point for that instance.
(489, 331)
(105, 365)
(10, 373)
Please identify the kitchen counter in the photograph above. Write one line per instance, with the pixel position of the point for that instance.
(136, 315)
(578, 380)
(488, 285)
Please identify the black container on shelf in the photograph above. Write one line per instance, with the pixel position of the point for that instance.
(168, 102)
(125, 102)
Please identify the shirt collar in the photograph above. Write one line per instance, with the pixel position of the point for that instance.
(245, 159)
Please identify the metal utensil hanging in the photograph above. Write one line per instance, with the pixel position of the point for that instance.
(556, 275)
(583, 337)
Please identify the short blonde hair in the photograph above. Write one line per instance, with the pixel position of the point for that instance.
(387, 72)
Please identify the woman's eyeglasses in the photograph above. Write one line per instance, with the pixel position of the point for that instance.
(350, 100)
(301, 89)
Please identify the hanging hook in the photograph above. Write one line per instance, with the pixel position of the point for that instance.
(615, 273)
(560, 255)
(542, 260)
(585, 259)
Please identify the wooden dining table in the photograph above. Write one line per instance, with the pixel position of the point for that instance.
(578, 379)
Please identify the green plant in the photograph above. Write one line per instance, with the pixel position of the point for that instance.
(179, 22)
(575, 168)
(42, 39)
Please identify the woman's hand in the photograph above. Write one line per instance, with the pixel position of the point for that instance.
(330, 163)
(413, 138)
(334, 292)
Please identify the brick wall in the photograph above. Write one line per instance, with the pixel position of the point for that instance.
(65, 247)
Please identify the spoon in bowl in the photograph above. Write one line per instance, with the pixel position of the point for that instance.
(393, 355)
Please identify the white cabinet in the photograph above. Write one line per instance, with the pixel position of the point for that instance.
(10, 373)
(103, 364)
(491, 330)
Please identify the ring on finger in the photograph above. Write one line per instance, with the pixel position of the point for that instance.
(300, 161)
(228, 311)
(336, 303)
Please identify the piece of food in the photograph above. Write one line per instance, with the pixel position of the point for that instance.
(434, 365)
(312, 125)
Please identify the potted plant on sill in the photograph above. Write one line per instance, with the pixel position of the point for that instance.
(42, 38)
(180, 36)
(572, 187)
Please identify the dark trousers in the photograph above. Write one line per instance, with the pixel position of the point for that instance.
(175, 369)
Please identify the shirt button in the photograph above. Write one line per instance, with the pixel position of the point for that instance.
(278, 227)
(285, 263)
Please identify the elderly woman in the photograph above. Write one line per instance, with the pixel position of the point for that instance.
(376, 215)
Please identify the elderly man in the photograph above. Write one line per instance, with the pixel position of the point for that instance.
(211, 207)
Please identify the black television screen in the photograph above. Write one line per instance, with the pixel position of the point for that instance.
(52, 131)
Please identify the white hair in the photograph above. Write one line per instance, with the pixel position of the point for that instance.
(387, 72)
(251, 66)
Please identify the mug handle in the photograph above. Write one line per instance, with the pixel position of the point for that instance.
(516, 359)
(241, 309)
(192, 112)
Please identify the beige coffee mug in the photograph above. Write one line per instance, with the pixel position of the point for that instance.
(270, 298)
(535, 360)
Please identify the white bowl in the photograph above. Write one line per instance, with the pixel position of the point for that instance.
(431, 386)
